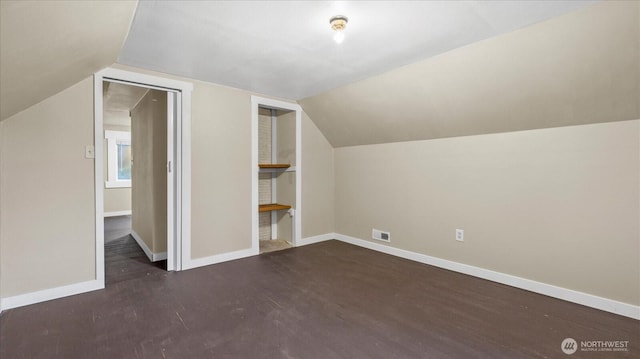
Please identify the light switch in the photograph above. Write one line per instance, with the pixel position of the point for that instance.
(89, 151)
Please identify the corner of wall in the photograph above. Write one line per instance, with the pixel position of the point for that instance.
(319, 176)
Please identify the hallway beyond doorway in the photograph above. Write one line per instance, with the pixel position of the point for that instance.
(124, 259)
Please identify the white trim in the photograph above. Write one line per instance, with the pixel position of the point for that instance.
(159, 256)
(257, 102)
(255, 240)
(218, 258)
(589, 300)
(113, 137)
(142, 245)
(49, 294)
(274, 177)
(316, 239)
(170, 171)
(298, 212)
(182, 245)
(183, 166)
(118, 184)
(148, 81)
(98, 128)
(117, 135)
(117, 213)
(153, 257)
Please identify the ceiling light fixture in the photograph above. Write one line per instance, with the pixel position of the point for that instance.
(338, 24)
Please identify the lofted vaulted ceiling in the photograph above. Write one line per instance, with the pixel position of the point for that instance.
(407, 70)
(580, 68)
(285, 48)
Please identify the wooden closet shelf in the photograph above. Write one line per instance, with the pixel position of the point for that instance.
(274, 165)
(272, 207)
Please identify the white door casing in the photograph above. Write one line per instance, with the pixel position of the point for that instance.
(178, 153)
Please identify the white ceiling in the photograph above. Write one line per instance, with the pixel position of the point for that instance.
(285, 48)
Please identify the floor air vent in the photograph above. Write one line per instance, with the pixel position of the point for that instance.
(381, 235)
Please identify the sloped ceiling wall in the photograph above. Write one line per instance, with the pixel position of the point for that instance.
(48, 46)
(579, 68)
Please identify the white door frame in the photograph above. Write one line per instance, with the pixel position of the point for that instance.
(180, 247)
(256, 103)
(172, 155)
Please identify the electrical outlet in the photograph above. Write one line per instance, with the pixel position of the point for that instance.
(460, 235)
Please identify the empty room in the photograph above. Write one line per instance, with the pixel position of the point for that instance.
(319, 179)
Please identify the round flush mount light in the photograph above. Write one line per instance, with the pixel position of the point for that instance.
(338, 24)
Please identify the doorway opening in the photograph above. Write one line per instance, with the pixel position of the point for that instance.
(135, 122)
(150, 159)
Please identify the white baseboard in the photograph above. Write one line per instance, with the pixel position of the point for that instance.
(589, 300)
(159, 256)
(218, 258)
(49, 294)
(118, 213)
(154, 257)
(569, 295)
(316, 239)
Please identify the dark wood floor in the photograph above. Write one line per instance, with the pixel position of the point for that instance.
(124, 259)
(327, 300)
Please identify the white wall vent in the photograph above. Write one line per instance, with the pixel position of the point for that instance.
(381, 235)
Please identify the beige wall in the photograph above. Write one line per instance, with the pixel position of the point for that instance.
(221, 184)
(148, 172)
(220, 187)
(317, 181)
(558, 206)
(115, 199)
(47, 189)
(220, 170)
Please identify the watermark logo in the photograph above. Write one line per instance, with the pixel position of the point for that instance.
(569, 346)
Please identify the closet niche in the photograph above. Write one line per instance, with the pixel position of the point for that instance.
(276, 178)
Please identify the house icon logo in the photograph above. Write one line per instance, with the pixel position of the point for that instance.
(569, 346)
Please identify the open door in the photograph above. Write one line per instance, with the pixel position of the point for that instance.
(173, 247)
